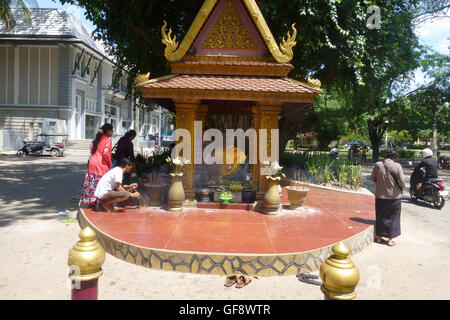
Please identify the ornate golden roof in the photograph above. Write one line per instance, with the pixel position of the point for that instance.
(175, 52)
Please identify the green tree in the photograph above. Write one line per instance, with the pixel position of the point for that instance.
(430, 100)
(326, 118)
(389, 61)
(7, 14)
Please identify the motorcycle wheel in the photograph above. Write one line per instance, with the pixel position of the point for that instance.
(439, 204)
(20, 153)
(54, 153)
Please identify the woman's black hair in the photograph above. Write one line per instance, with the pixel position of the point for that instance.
(130, 134)
(391, 153)
(124, 162)
(102, 131)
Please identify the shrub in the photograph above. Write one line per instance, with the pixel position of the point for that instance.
(323, 169)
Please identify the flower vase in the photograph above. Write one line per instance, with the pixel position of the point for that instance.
(272, 198)
(175, 196)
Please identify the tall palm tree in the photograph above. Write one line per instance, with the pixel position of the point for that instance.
(6, 12)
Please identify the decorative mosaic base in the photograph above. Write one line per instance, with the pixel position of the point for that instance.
(223, 264)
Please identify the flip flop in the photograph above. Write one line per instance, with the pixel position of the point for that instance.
(231, 280)
(391, 245)
(310, 281)
(380, 240)
(307, 276)
(243, 281)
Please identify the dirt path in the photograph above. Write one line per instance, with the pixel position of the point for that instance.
(33, 258)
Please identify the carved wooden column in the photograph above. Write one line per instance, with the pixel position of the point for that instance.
(185, 116)
(256, 167)
(202, 111)
(268, 113)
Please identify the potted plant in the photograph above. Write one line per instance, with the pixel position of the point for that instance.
(154, 189)
(272, 200)
(176, 195)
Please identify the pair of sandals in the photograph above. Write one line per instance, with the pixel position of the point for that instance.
(389, 243)
(308, 278)
(239, 281)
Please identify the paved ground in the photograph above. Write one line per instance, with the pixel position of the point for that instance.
(33, 256)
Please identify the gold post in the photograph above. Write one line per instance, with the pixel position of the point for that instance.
(339, 275)
(88, 256)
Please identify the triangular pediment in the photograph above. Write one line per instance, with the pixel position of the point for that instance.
(229, 32)
(229, 28)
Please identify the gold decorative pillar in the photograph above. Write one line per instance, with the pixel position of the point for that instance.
(339, 275)
(85, 264)
(265, 116)
(186, 113)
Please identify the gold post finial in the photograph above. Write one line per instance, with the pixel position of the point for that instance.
(86, 257)
(315, 83)
(339, 275)
(141, 78)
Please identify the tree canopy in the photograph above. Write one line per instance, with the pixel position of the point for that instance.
(368, 66)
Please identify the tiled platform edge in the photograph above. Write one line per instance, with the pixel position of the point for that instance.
(264, 265)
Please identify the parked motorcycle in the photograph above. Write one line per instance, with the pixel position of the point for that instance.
(39, 148)
(432, 190)
(444, 163)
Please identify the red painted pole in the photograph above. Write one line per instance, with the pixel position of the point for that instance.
(85, 263)
(88, 290)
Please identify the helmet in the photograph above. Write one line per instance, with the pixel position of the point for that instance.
(427, 153)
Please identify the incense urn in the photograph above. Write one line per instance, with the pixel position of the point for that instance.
(296, 196)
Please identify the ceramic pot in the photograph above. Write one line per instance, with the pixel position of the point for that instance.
(154, 192)
(296, 196)
(272, 199)
(175, 196)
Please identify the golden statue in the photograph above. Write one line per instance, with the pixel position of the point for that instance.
(238, 158)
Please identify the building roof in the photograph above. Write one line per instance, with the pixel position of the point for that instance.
(228, 87)
(50, 24)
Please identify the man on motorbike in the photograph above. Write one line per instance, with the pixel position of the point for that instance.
(429, 164)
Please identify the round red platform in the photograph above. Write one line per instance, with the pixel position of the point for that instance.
(327, 218)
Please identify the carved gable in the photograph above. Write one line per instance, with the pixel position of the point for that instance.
(229, 32)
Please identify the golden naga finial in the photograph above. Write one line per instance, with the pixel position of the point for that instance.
(170, 43)
(288, 43)
(141, 78)
(315, 83)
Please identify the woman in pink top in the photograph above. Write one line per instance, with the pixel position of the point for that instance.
(99, 163)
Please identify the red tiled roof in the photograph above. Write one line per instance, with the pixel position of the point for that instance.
(238, 83)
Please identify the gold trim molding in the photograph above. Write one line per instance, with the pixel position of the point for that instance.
(175, 52)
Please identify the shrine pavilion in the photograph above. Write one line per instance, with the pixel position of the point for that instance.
(229, 73)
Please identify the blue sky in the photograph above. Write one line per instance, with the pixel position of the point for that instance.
(435, 34)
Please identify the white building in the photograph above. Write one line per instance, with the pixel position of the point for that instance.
(54, 78)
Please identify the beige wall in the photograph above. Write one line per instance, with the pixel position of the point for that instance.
(6, 75)
(38, 72)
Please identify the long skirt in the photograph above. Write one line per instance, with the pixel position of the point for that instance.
(388, 217)
(90, 184)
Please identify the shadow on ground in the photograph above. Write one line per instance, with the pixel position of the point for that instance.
(31, 187)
